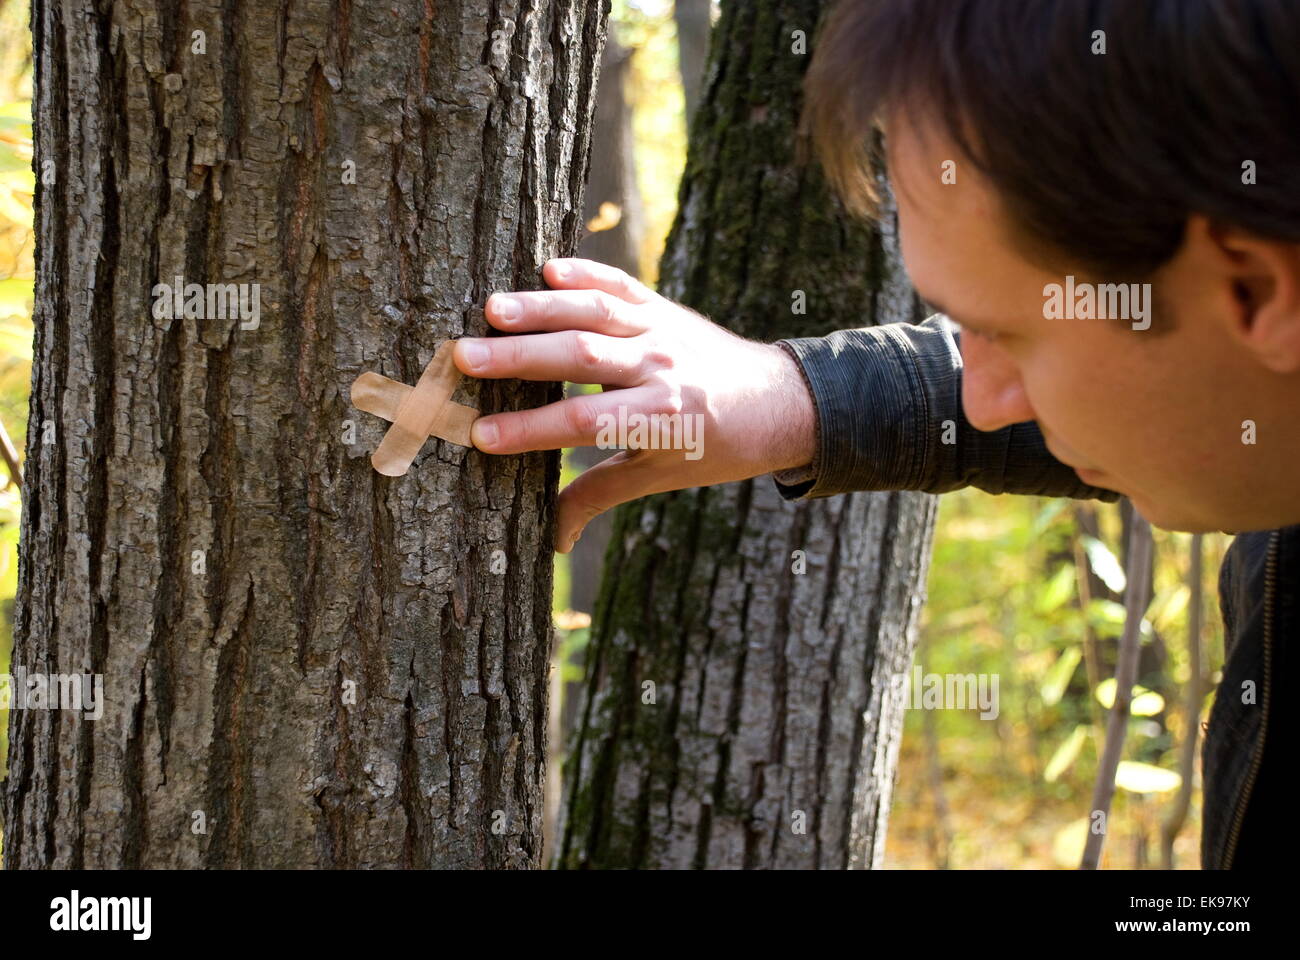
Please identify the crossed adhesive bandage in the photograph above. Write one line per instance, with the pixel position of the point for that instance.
(417, 413)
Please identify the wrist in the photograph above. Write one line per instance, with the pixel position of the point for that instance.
(794, 436)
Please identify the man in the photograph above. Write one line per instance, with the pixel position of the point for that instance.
(1105, 197)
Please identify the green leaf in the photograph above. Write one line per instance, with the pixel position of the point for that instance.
(1148, 703)
(1066, 753)
(1059, 674)
(1170, 605)
(1048, 514)
(1104, 564)
(1106, 617)
(1057, 590)
(1145, 703)
(1069, 843)
(1106, 612)
(1145, 778)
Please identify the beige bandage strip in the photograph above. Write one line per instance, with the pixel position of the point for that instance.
(375, 393)
(416, 412)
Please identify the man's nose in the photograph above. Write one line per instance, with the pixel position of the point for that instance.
(992, 393)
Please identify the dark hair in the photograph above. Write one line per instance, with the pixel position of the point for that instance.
(1100, 156)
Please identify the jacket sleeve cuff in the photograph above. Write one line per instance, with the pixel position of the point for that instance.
(865, 434)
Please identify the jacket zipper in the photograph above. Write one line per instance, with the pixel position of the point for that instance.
(1270, 590)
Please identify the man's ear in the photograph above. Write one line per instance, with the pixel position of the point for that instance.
(1264, 279)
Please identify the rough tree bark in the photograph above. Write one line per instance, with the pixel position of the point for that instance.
(305, 664)
(771, 703)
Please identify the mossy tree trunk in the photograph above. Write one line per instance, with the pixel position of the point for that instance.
(305, 664)
(737, 710)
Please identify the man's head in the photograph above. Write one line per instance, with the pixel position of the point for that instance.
(1043, 151)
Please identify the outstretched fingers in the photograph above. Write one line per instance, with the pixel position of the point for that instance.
(532, 310)
(572, 273)
(572, 422)
(576, 356)
(628, 475)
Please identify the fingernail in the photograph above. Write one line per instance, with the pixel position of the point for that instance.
(506, 308)
(560, 270)
(476, 354)
(485, 434)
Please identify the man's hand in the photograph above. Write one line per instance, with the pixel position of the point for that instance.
(652, 356)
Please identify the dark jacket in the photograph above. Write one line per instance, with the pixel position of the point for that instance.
(887, 400)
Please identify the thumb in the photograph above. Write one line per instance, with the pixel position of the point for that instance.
(627, 475)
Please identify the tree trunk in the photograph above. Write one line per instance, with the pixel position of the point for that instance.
(694, 22)
(738, 711)
(305, 664)
(619, 227)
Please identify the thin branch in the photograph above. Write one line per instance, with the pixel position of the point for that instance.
(1093, 668)
(1136, 598)
(1177, 814)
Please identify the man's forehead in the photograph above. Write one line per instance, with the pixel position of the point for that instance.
(958, 246)
(934, 226)
(932, 176)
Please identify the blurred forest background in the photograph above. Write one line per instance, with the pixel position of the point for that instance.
(1027, 589)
